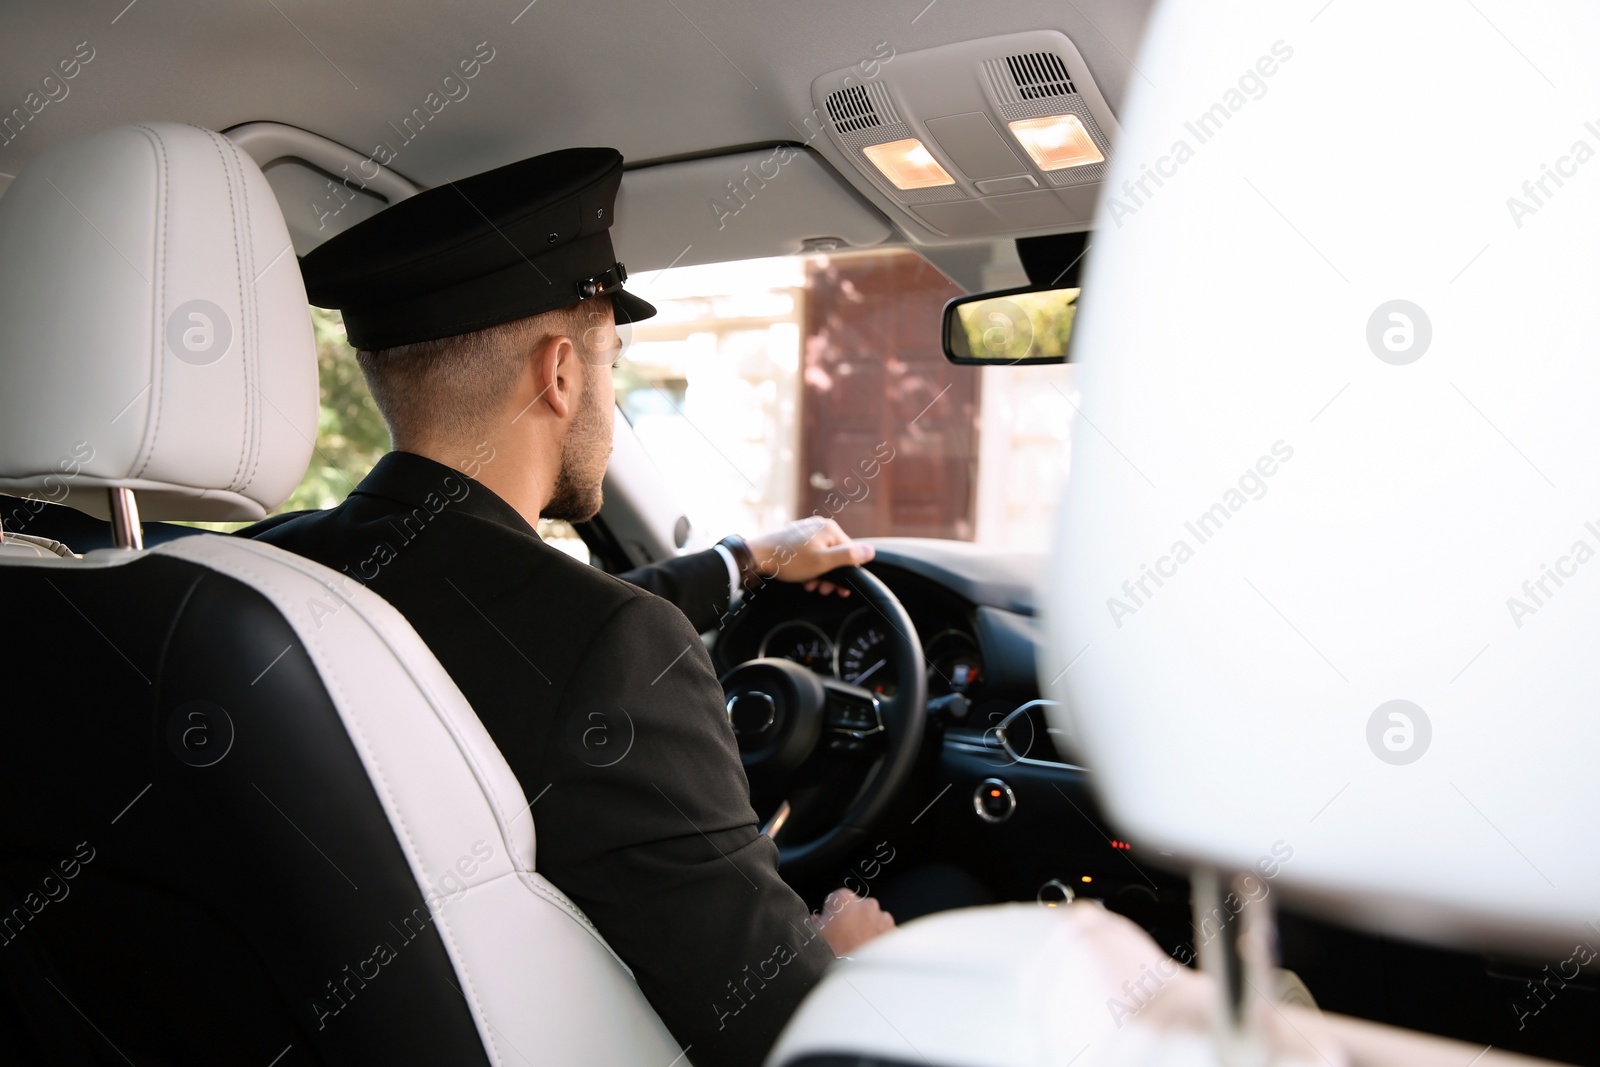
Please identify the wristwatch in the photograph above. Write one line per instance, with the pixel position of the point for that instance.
(749, 575)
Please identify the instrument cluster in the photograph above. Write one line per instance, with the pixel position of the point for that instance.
(858, 653)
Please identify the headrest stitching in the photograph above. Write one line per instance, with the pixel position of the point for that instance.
(251, 313)
(157, 325)
(244, 361)
(244, 262)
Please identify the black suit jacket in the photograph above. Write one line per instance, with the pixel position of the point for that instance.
(698, 584)
(603, 700)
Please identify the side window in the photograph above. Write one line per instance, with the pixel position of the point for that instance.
(351, 436)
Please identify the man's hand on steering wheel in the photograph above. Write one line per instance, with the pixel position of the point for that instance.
(801, 550)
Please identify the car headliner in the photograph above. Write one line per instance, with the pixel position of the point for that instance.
(656, 79)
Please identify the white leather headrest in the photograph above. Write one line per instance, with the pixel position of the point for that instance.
(1330, 585)
(154, 332)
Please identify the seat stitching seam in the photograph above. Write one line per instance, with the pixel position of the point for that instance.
(244, 361)
(158, 305)
(551, 894)
(253, 312)
(562, 901)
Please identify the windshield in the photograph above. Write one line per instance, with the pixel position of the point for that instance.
(770, 389)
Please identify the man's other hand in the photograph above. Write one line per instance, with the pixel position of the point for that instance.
(847, 922)
(806, 548)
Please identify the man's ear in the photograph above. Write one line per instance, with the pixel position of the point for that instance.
(557, 376)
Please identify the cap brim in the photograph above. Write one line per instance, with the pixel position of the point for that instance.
(628, 308)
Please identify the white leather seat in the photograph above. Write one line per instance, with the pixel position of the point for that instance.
(318, 845)
(1368, 437)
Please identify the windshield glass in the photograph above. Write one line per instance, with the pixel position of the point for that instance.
(770, 389)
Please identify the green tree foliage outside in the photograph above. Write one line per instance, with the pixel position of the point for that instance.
(351, 436)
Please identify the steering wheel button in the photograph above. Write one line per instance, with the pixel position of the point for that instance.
(852, 719)
(850, 715)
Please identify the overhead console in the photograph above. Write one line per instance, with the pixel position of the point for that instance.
(1007, 135)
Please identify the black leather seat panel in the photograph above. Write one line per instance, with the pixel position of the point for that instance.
(181, 884)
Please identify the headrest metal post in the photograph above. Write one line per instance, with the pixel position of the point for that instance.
(1237, 934)
(125, 529)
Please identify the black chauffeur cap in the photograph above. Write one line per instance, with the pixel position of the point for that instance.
(515, 241)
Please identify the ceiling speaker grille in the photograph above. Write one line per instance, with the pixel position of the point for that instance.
(861, 107)
(1040, 74)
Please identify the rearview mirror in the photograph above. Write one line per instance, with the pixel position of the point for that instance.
(1010, 327)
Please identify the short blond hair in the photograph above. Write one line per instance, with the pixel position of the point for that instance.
(452, 390)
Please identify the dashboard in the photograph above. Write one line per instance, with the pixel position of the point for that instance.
(999, 795)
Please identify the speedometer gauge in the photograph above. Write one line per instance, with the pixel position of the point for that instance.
(799, 642)
(864, 656)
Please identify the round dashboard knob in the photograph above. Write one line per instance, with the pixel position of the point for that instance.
(1056, 893)
(993, 800)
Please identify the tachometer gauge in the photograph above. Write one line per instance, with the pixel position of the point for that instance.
(802, 643)
(954, 663)
(864, 657)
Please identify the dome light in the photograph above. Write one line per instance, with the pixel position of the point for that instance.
(908, 164)
(1057, 142)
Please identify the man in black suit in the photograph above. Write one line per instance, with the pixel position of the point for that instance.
(483, 317)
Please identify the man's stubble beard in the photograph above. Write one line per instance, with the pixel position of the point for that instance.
(577, 493)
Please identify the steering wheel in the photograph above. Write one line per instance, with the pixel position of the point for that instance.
(785, 716)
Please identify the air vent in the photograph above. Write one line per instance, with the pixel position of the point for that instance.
(861, 107)
(851, 110)
(1039, 75)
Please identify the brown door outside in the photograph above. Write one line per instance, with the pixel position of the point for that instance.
(875, 385)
